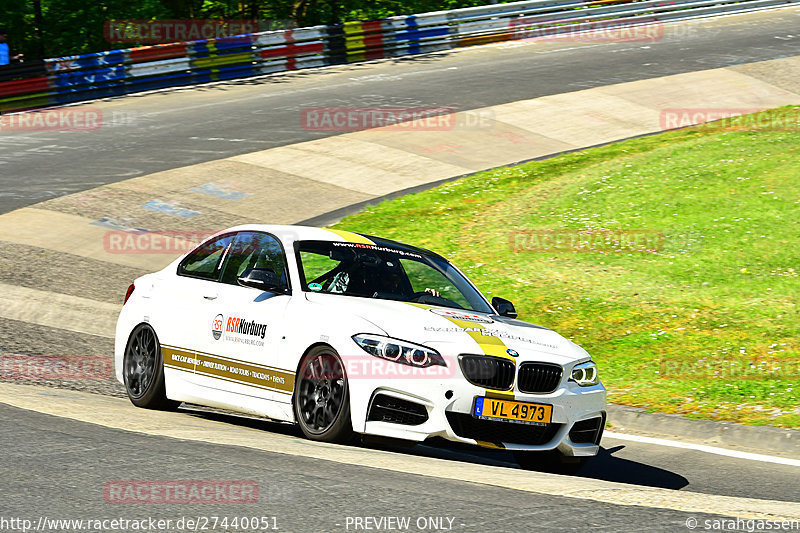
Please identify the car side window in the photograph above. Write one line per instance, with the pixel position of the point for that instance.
(205, 260)
(253, 249)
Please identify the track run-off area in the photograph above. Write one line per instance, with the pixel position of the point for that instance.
(204, 158)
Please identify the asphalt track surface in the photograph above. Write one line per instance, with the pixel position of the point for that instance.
(149, 133)
(57, 468)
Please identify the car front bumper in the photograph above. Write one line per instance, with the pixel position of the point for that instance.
(448, 405)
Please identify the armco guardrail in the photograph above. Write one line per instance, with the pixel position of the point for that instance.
(91, 76)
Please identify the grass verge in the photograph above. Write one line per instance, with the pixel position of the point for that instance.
(673, 259)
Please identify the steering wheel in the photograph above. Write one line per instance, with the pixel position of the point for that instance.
(418, 295)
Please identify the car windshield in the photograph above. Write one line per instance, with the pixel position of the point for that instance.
(387, 272)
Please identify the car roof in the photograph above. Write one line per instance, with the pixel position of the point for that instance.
(291, 233)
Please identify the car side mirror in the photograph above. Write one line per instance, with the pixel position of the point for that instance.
(504, 307)
(264, 279)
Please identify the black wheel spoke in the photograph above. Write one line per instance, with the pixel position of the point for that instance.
(320, 393)
(140, 362)
(329, 412)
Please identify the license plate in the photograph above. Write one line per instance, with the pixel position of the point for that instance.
(509, 410)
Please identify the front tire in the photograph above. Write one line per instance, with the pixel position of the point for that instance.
(322, 398)
(143, 370)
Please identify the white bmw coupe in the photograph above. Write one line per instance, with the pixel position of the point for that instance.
(349, 334)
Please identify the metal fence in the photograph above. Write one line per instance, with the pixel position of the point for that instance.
(99, 75)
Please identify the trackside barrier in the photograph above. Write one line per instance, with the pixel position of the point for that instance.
(77, 78)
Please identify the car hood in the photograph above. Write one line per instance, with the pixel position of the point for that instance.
(451, 330)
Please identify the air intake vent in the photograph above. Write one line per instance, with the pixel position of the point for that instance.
(469, 427)
(397, 411)
(588, 431)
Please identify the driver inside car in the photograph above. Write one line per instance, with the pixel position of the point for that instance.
(374, 278)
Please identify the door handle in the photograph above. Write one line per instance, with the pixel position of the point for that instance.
(210, 296)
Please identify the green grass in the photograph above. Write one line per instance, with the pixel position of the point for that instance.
(706, 325)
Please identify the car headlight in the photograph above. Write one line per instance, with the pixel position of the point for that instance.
(585, 374)
(402, 352)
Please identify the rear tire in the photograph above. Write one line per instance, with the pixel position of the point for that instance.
(143, 370)
(550, 461)
(322, 398)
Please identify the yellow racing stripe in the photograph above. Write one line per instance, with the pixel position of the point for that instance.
(349, 236)
(489, 344)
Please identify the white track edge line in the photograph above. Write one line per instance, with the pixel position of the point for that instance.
(704, 448)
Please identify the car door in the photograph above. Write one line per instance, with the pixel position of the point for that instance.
(183, 301)
(242, 343)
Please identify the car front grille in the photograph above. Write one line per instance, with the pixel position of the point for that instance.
(588, 431)
(397, 411)
(489, 372)
(539, 378)
(469, 427)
